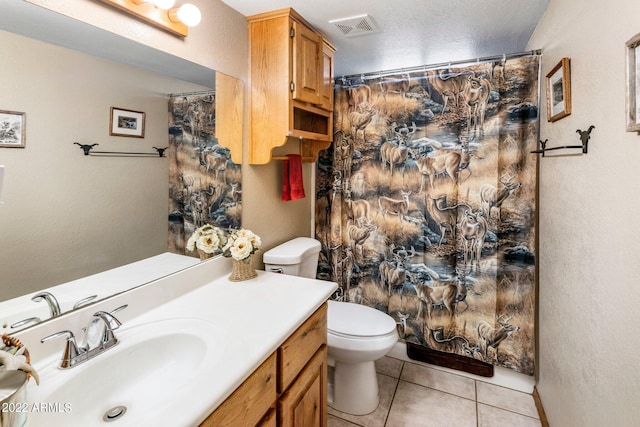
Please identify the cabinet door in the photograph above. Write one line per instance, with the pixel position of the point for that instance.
(307, 65)
(305, 403)
(327, 77)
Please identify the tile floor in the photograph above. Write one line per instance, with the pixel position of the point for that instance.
(413, 395)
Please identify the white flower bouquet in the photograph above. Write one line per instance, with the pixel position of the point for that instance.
(207, 239)
(241, 244)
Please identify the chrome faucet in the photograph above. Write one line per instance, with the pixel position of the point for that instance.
(99, 337)
(104, 324)
(54, 307)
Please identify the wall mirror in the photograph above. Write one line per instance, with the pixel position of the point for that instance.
(66, 216)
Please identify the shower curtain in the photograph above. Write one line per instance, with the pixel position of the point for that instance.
(426, 205)
(205, 186)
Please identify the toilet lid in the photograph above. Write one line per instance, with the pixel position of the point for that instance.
(347, 318)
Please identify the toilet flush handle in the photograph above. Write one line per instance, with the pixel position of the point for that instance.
(276, 269)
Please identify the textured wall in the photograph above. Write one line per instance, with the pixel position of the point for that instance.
(589, 293)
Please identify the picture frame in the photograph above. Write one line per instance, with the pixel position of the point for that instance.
(125, 122)
(633, 84)
(13, 129)
(559, 91)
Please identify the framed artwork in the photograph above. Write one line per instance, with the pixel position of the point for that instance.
(126, 123)
(13, 129)
(633, 84)
(559, 91)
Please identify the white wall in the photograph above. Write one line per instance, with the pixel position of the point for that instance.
(590, 224)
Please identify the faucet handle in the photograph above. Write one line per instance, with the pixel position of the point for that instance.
(71, 350)
(84, 301)
(122, 307)
(109, 319)
(25, 322)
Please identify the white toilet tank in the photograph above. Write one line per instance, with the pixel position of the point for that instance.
(297, 257)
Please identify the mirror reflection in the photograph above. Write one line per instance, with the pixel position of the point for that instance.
(82, 228)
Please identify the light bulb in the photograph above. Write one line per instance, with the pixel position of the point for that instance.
(163, 4)
(189, 15)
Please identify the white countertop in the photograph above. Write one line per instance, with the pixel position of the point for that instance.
(102, 285)
(255, 316)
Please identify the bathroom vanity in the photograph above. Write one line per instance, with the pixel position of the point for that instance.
(194, 349)
(289, 388)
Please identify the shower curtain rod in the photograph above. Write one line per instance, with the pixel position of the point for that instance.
(202, 92)
(377, 74)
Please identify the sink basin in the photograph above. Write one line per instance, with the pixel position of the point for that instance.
(146, 379)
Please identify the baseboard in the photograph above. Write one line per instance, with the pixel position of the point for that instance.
(543, 417)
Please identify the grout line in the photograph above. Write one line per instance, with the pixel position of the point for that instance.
(510, 411)
(475, 390)
(393, 396)
(440, 391)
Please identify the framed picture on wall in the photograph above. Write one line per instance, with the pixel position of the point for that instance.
(559, 91)
(633, 84)
(126, 123)
(13, 128)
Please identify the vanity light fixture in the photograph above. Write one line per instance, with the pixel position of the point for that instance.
(188, 14)
(162, 14)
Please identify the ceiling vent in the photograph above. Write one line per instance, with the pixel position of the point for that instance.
(356, 26)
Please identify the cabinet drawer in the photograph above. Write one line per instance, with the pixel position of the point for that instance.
(294, 354)
(250, 402)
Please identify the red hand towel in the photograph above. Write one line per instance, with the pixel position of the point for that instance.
(286, 186)
(295, 176)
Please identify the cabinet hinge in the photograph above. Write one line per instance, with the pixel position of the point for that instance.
(293, 86)
(292, 32)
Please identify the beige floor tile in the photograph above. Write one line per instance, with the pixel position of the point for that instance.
(389, 366)
(511, 400)
(417, 406)
(339, 422)
(439, 380)
(489, 416)
(387, 387)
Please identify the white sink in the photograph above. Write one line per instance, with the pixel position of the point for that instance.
(150, 374)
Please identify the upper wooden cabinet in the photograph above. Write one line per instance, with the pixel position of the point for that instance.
(291, 85)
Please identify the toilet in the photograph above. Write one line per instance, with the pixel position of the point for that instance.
(357, 335)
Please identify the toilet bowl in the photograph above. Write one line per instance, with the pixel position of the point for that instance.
(357, 335)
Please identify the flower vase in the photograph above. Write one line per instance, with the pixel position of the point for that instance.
(204, 255)
(241, 270)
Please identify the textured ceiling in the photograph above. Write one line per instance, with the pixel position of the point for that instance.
(415, 32)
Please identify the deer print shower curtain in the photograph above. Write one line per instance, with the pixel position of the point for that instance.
(204, 184)
(426, 205)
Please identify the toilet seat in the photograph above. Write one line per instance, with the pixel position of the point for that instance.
(357, 337)
(356, 321)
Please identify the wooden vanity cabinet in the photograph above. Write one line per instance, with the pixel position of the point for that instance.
(304, 404)
(289, 389)
(291, 85)
(250, 402)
